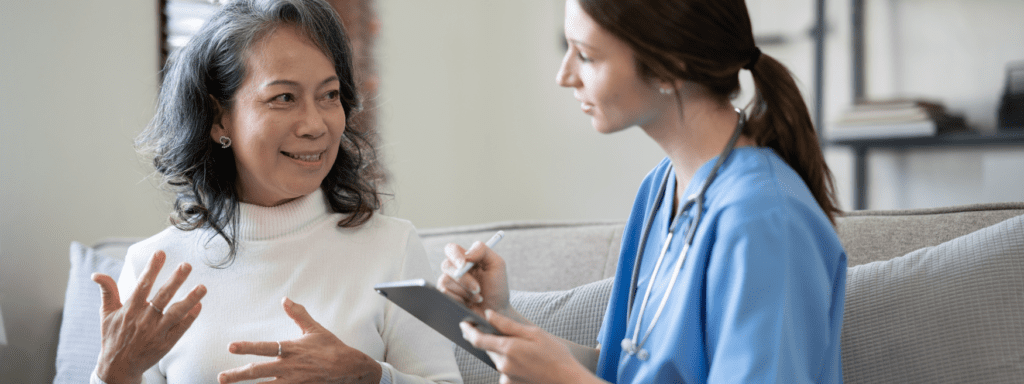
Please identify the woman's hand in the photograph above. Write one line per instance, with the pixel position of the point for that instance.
(137, 334)
(483, 287)
(316, 357)
(526, 353)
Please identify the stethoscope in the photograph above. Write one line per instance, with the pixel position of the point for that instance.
(630, 345)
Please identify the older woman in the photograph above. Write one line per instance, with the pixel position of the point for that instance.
(276, 200)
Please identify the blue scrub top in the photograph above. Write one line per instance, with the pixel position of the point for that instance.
(760, 296)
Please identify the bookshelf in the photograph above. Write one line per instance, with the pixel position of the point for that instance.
(861, 148)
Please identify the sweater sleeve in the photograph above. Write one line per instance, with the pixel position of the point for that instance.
(415, 352)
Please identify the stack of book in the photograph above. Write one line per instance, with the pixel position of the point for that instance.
(895, 119)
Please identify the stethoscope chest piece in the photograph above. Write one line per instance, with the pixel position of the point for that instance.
(630, 347)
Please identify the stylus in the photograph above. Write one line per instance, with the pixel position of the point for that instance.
(469, 264)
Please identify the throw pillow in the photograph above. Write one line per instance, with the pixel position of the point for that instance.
(574, 315)
(79, 344)
(952, 313)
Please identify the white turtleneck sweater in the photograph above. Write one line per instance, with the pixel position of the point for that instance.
(297, 250)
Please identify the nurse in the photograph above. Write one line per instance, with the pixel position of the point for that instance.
(730, 269)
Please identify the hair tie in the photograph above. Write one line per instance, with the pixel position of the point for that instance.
(753, 59)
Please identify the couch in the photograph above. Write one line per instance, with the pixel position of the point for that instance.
(933, 295)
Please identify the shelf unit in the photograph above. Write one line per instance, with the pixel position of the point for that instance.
(861, 147)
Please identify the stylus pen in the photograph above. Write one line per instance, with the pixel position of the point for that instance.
(469, 264)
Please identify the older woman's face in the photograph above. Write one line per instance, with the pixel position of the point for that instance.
(286, 121)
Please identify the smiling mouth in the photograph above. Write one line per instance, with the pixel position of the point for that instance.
(307, 158)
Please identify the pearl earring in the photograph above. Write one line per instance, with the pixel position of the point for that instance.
(665, 91)
(225, 141)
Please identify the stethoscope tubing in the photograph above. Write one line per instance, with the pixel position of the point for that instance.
(698, 200)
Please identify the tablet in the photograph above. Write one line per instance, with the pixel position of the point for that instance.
(422, 300)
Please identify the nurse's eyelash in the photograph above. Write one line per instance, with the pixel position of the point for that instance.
(583, 58)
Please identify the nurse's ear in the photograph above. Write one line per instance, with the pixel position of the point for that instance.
(672, 86)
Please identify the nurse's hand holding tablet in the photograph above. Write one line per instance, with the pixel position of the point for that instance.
(477, 278)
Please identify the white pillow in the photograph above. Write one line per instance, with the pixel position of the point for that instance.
(79, 344)
(952, 313)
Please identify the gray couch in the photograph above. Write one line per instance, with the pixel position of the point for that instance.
(933, 296)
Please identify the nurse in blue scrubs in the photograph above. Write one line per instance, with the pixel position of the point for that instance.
(730, 269)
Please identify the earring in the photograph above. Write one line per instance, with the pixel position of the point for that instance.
(225, 141)
(665, 91)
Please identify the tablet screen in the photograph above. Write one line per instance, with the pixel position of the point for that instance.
(440, 312)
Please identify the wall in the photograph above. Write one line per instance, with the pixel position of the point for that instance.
(77, 82)
(475, 128)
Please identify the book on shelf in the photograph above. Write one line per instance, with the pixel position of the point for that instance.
(895, 119)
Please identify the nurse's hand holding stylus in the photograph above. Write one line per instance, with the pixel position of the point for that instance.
(476, 277)
(469, 264)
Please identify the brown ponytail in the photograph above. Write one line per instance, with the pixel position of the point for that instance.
(779, 120)
(713, 40)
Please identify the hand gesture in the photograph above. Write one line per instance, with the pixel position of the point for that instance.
(316, 357)
(483, 287)
(137, 334)
(526, 353)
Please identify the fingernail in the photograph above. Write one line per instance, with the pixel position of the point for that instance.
(201, 289)
(479, 299)
(476, 289)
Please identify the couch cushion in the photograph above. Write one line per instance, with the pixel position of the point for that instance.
(79, 344)
(882, 235)
(574, 315)
(949, 313)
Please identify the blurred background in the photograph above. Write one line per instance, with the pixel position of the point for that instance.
(472, 127)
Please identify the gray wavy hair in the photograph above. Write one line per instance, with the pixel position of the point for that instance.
(206, 73)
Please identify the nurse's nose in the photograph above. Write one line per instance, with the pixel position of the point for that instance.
(566, 76)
